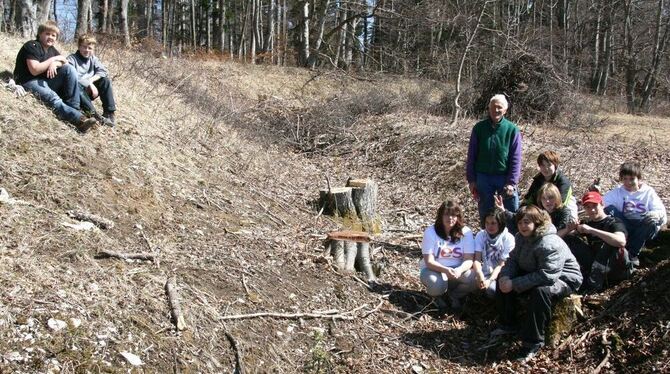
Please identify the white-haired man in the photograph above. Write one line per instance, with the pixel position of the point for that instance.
(494, 158)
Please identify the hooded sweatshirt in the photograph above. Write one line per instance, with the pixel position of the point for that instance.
(635, 205)
(541, 260)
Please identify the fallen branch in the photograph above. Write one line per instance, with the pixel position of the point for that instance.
(101, 222)
(238, 354)
(175, 307)
(127, 256)
(329, 314)
(602, 363)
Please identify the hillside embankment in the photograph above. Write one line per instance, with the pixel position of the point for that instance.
(213, 167)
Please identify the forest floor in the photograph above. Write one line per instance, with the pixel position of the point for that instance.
(216, 171)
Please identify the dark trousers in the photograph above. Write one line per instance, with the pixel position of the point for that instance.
(104, 86)
(599, 265)
(538, 309)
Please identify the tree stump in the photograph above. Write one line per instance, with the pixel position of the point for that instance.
(564, 316)
(355, 204)
(364, 196)
(338, 202)
(351, 252)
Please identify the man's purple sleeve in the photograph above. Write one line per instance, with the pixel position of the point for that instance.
(472, 155)
(514, 162)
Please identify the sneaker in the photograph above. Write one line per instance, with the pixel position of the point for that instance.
(635, 261)
(441, 305)
(84, 123)
(110, 117)
(103, 120)
(529, 351)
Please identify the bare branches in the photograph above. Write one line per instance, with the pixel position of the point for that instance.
(329, 314)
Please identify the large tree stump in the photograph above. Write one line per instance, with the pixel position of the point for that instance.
(355, 204)
(564, 316)
(338, 202)
(351, 252)
(364, 196)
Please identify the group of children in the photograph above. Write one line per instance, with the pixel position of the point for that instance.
(66, 84)
(542, 252)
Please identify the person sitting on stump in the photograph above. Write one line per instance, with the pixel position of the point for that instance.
(93, 80)
(448, 249)
(541, 268)
(599, 246)
(638, 206)
(42, 70)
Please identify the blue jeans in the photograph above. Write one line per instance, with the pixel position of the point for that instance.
(638, 231)
(60, 93)
(487, 185)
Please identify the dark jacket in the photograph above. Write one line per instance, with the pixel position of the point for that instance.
(541, 260)
(559, 180)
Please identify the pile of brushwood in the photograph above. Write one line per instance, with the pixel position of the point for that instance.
(535, 91)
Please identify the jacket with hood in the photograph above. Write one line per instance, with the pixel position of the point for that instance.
(541, 260)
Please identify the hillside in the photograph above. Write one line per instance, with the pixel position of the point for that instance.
(215, 169)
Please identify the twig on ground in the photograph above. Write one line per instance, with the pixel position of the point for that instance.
(126, 256)
(101, 222)
(175, 306)
(329, 314)
(602, 363)
(238, 353)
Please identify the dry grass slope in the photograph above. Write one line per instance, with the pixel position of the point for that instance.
(215, 171)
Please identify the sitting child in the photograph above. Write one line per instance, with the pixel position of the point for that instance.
(448, 249)
(599, 246)
(638, 206)
(43, 71)
(492, 247)
(93, 80)
(549, 199)
(542, 267)
(547, 163)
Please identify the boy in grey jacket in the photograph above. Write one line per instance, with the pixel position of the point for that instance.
(93, 80)
(540, 267)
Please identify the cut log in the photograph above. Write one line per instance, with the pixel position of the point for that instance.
(337, 202)
(364, 198)
(354, 236)
(363, 261)
(337, 251)
(350, 254)
(175, 305)
(101, 222)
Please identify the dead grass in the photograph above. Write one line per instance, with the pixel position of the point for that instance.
(202, 169)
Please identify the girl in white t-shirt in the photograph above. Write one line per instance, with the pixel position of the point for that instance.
(492, 247)
(448, 249)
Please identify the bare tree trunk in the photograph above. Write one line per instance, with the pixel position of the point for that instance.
(124, 22)
(630, 59)
(2, 16)
(83, 22)
(269, 43)
(193, 32)
(304, 58)
(319, 40)
(25, 18)
(43, 10)
(457, 106)
(254, 20)
(659, 52)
